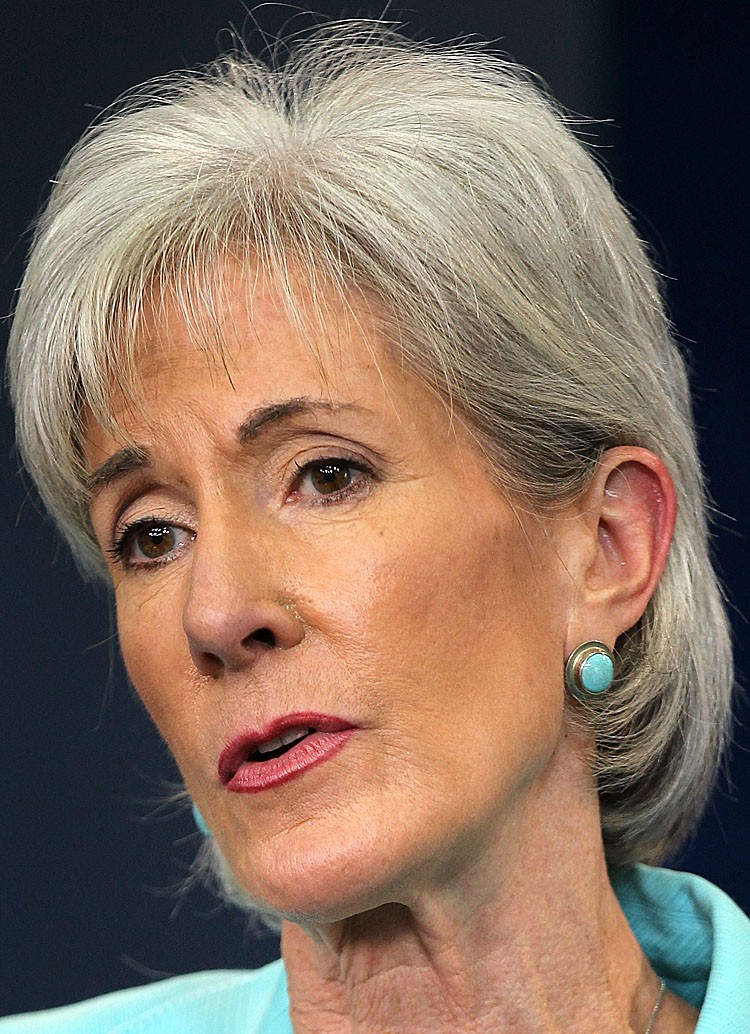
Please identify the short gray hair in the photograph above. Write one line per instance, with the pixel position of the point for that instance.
(443, 183)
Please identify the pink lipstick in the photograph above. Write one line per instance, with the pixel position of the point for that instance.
(284, 749)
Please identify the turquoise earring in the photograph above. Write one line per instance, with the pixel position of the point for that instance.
(201, 822)
(590, 670)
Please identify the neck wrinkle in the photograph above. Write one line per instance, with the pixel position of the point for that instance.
(526, 938)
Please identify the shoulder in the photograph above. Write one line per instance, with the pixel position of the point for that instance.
(221, 1002)
(695, 937)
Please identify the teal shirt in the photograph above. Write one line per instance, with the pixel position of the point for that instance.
(695, 937)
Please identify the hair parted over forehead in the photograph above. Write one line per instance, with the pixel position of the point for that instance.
(441, 183)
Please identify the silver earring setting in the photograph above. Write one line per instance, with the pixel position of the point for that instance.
(590, 670)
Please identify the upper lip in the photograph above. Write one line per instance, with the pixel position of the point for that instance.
(236, 752)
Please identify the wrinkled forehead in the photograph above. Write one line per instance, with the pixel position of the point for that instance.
(212, 351)
(210, 381)
(295, 322)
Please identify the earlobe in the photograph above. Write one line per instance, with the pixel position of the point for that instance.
(631, 510)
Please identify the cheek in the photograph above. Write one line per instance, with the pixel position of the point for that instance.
(155, 652)
(480, 634)
(473, 591)
(449, 607)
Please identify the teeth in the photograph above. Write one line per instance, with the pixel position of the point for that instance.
(287, 737)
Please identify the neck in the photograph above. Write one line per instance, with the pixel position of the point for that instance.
(526, 936)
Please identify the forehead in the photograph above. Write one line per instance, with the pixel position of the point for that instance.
(244, 317)
(249, 341)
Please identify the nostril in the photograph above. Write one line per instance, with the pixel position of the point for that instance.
(208, 663)
(222, 641)
(260, 635)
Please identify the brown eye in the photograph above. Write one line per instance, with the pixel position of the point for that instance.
(330, 479)
(149, 542)
(154, 541)
(330, 476)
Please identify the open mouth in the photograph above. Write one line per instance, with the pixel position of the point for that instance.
(290, 743)
(279, 745)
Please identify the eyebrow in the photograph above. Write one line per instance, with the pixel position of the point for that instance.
(261, 419)
(130, 458)
(255, 424)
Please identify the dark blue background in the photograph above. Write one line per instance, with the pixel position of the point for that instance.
(91, 852)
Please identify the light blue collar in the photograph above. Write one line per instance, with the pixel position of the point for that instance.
(696, 938)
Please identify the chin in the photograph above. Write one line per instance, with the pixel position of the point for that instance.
(318, 884)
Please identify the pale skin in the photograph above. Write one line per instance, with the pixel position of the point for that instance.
(444, 871)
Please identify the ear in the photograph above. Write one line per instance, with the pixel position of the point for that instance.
(626, 522)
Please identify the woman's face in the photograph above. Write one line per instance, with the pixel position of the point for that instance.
(312, 547)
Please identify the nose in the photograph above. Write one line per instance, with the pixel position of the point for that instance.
(231, 616)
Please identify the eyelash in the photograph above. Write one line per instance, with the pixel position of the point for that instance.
(120, 551)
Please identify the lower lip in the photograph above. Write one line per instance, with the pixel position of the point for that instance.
(255, 776)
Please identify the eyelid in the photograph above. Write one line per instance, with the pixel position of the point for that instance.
(153, 502)
(336, 445)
